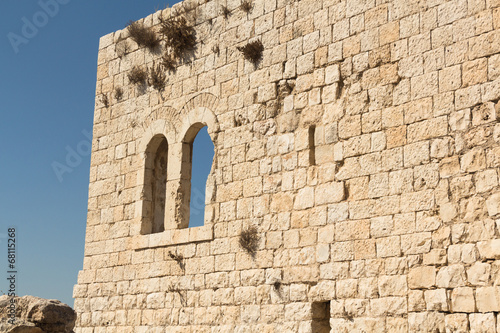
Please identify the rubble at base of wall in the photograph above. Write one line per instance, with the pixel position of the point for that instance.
(36, 315)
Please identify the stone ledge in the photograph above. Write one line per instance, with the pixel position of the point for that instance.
(172, 237)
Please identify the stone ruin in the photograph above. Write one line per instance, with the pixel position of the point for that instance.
(355, 182)
(36, 315)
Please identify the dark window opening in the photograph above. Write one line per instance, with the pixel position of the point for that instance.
(155, 181)
(321, 317)
(312, 147)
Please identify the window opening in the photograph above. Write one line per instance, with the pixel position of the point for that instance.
(312, 147)
(155, 180)
(321, 317)
(199, 150)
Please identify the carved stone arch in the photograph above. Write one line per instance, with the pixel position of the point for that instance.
(156, 127)
(195, 117)
(167, 113)
(199, 116)
(205, 100)
(158, 133)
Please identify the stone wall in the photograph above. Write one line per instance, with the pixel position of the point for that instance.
(364, 147)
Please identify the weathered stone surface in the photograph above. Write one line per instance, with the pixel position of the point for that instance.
(451, 277)
(356, 163)
(489, 249)
(21, 326)
(38, 315)
(487, 299)
(462, 300)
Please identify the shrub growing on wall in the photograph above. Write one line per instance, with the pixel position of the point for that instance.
(142, 35)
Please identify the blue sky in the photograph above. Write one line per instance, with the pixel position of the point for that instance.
(47, 101)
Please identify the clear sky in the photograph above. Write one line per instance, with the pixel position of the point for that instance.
(48, 67)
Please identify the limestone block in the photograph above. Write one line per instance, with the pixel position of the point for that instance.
(486, 180)
(357, 145)
(304, 198)
(487, 299)
(352, 230)
(493, 204)
(416, 153)
(388, 246)
(424, 85)
(341, 251)
(450, 78)
(427, 221)
(378, 185)
(388, 306)
(426, 322)
(472, 161)
(489, 249)
(436, 300)
(416, 301)
(416, 243)
(482, 322)
(462, 300)
(442, 147)
(467, 97)
(423, 277)
(474, 72)
(324, 290)
(435, 257)
(347, 288)
(335, 270)
(469, 253)
(457, 322)
(462, 186)
(381, 226)
(449, 167)
(451, 276)
(448, 211)
(329, 193)
(479, 274)
(338, 212)
(332, 74)
(349, 126)
(357, 308)
(484, 113)
(415, 201)
(322, 252)
(389, 285)
(367, 287)
(427, 129)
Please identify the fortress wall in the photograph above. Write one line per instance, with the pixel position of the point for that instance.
(364, 147)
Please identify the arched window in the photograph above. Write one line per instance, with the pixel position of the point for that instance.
(197, 158)
(155, 181)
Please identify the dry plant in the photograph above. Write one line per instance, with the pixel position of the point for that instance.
(169, 62)
(118, 93)
(225, 12)
(216, 49)
(246, 6)
(178, 258)
(105, 100)
(137, 75)
(252, 51)
(249, 240)
(122, 48)
(157, 77)
(142, 35)
(180, 37)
